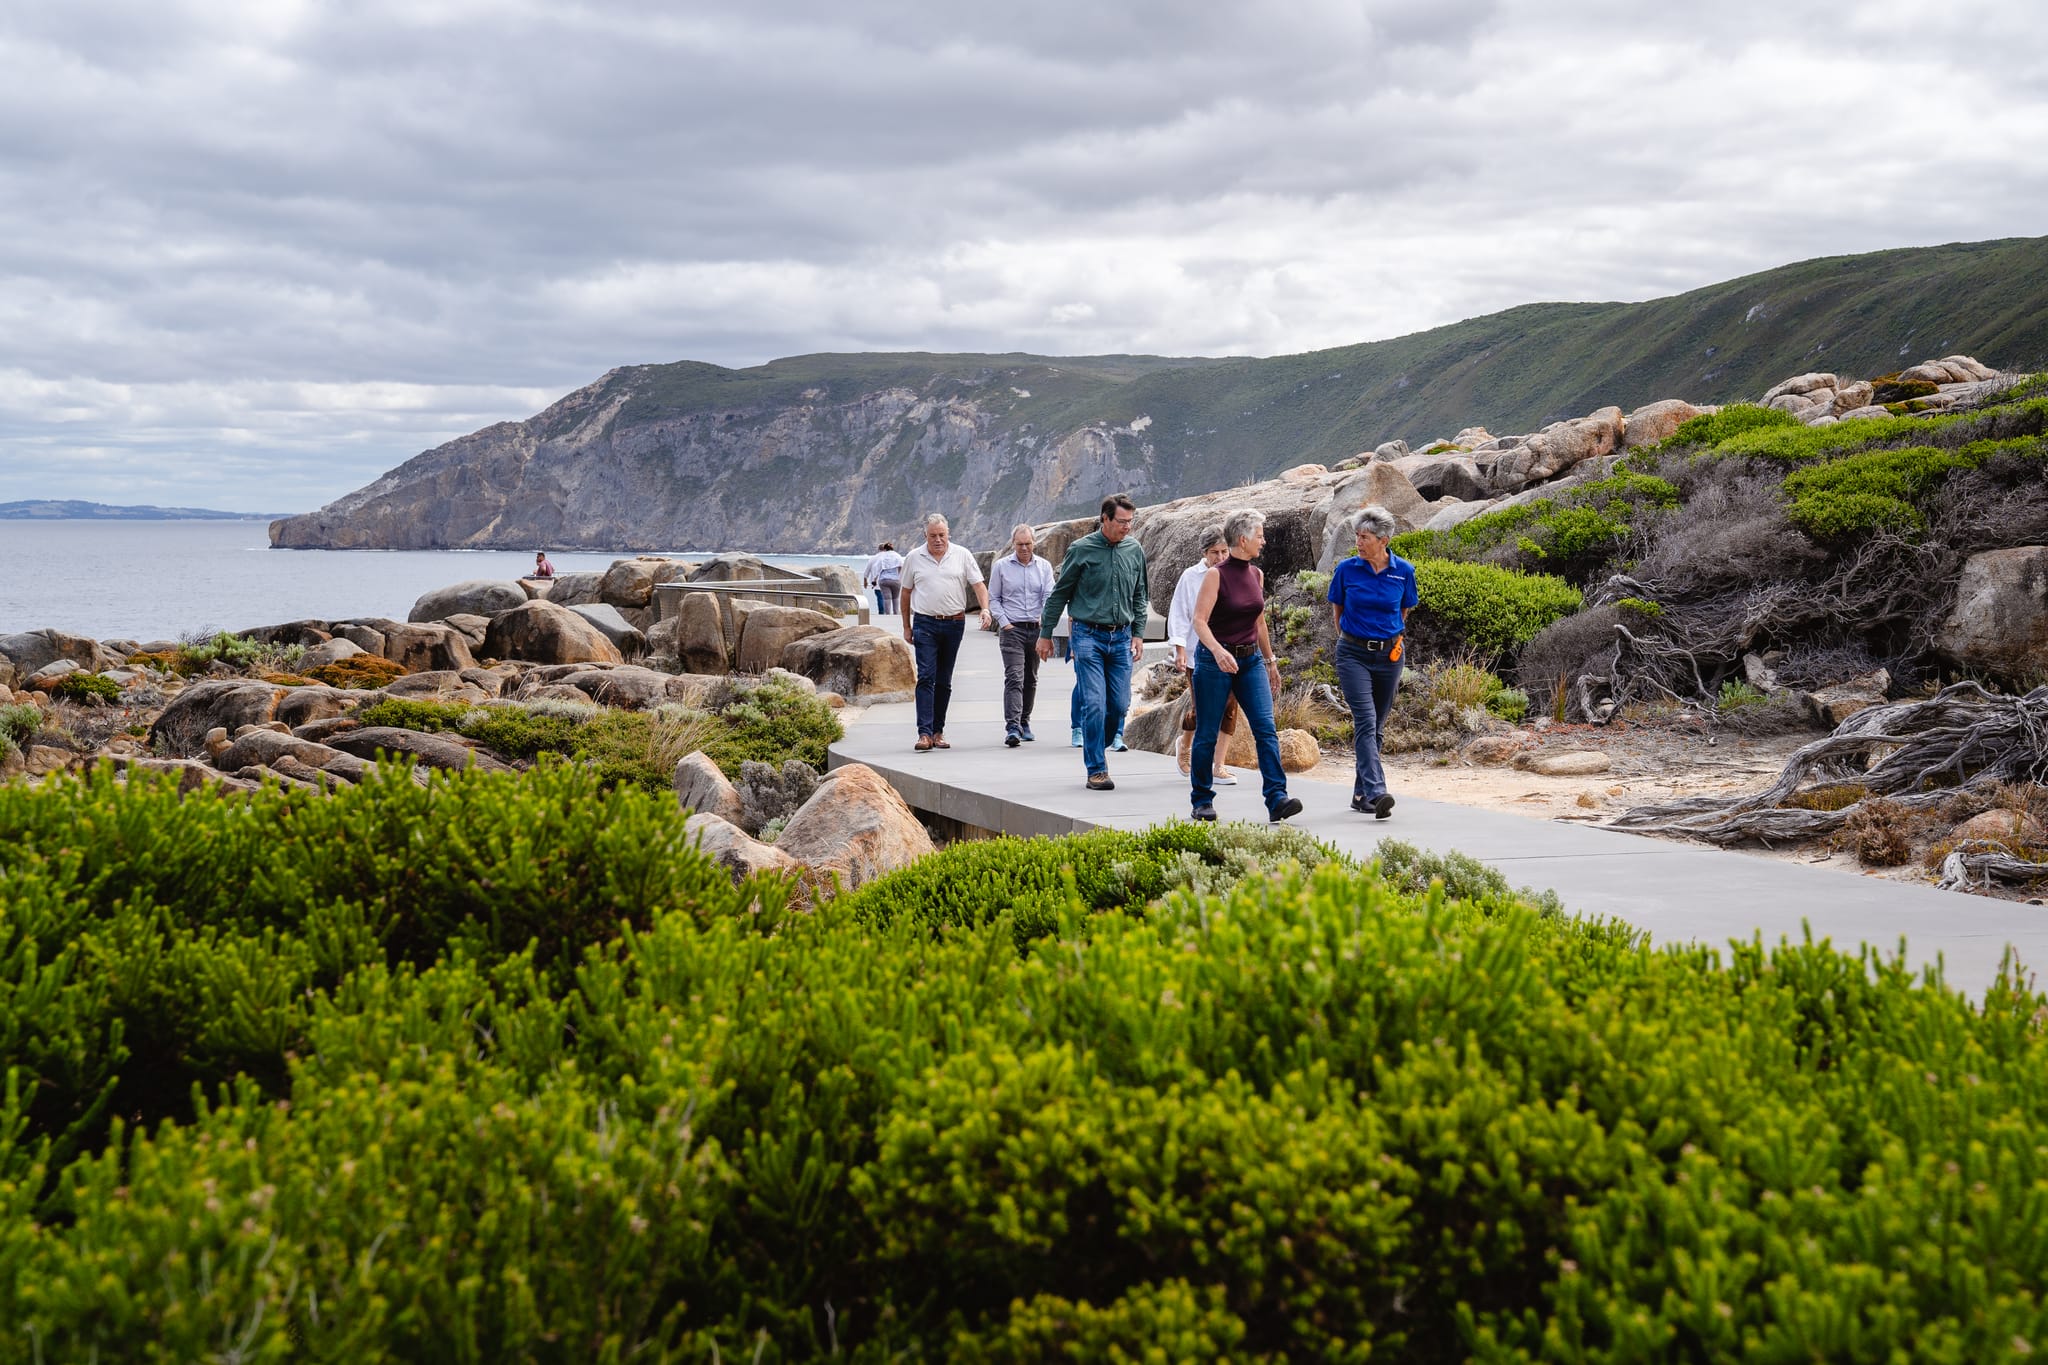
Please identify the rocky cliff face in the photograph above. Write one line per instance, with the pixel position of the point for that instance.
(835, 453)
(616, 466)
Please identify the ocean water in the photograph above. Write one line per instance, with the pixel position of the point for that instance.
(154, 580)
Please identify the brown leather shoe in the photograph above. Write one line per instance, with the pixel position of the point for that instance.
(924, 743)
(939, 742)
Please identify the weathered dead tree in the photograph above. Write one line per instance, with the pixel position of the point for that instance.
(1918, 754)
(1981, 862)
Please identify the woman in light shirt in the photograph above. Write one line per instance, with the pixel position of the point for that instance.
(1180, 633)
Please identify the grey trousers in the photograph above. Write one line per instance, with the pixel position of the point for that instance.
(1019, 646)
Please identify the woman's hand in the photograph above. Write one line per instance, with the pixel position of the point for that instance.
(1225, 660)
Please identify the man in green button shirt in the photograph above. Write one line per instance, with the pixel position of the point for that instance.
(1102, 586)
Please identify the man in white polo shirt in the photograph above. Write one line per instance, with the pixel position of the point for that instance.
(937, 576)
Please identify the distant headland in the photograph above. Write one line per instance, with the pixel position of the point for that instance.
(49, 509)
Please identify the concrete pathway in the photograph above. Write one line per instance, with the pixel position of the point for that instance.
(1678, 892)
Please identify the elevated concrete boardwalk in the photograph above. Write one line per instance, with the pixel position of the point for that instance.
(1675, 891)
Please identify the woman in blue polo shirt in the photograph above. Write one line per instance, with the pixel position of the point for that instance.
(1371, 595)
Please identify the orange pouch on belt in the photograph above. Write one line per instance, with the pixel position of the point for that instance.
(1394, 654)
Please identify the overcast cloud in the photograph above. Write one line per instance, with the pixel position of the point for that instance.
(254, 254)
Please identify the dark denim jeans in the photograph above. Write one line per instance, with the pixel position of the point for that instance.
(1018, 645)
(1213, 690)
(1368, 679)
(936, 644)
(1102, 687)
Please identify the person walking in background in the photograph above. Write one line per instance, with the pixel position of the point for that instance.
(1371, 594)
(1180, 633)
(541, 567)
(1230, 621)
(1102, 584)
(937, 577)
(884, 574)
(1018, 585)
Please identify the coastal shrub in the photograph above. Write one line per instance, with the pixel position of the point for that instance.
(770, 722)
(1411, 869)
(1736, 694)
(407, 713)
(86, 687)
(361, 672)
(1324, 1114)
(1572, 532)
(969, 883)
(1713, 428)
(1888, 488)
(1494, 611)
(20, 722)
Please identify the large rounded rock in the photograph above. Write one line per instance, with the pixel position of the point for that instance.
(1557, 448)
(2000, 620)
(575, 589)
(225, 703)
(701, 787)
(766, 630)
(1381, 483)
(630, 582)
(542, 632)
(730, 569)
(627, 688)
(1299, 751)
(428, 647)
(332, 652)
(855, 825)
(2012, 827)
(694, 636)
(861, 663)
(631, 643)
(734, 849)
(35, 649)
(1654, 422)
(447, 751)
(472, 597)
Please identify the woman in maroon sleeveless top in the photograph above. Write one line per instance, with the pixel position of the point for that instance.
(1230, 622)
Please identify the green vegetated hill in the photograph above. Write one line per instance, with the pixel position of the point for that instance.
(836, 451)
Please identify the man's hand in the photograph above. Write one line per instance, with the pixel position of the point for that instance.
(1180, 657)
(1044, 648)
(1137, 649)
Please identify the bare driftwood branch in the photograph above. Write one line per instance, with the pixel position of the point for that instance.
(1917, 754)
(1980, 862)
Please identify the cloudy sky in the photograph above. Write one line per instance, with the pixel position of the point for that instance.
(254, 254)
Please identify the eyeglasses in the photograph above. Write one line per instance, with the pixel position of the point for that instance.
(1120, 521)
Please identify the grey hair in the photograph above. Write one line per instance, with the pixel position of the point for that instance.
(1375, 519)
(936, 519)
(1242, 523)
(1025, 527)
(1213, 535)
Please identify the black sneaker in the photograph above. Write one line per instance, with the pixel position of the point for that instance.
(1010, 740)
(1207, 813)
(1289, 807)
(1361, 805)
(1383, 806)
(1099, 782)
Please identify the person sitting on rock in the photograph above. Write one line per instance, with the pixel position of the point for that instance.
(541, 567)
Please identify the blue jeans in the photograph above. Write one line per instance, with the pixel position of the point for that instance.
(1213, 689)
(1102, 689)
(1368, 679)
(936, 644)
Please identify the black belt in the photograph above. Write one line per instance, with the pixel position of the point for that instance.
(1103, 625)
(1241, 651)
(1371, 645)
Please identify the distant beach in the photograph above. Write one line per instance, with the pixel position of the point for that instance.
(143, 580)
